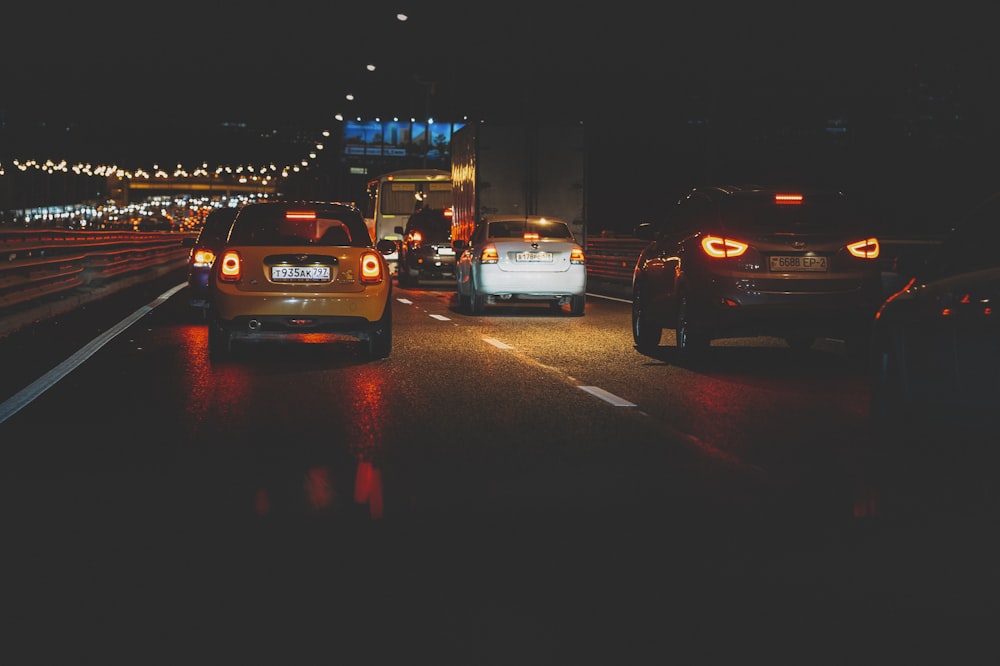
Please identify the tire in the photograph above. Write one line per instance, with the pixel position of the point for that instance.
(478, 303)
(464, 303)
(888, 380)
(379, 343)
(220, 340)
(646, 329)
(407, 277)
(691, 341)
(577, 304)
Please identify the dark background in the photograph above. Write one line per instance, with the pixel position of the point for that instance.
(897, 104)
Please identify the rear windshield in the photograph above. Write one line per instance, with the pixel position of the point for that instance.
(434, 226)
(516, 229)
(813, 213)
(281, 225)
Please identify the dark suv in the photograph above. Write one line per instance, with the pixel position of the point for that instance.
(426, 251)
(748, 261)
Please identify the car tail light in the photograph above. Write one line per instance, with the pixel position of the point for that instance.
(788, 199)
(721, 248)
(371, 268)
(449, 212)
(531, 236)
(576, 255)
(300, 215)
(203, 257)
(416, 237)
(489, 255)
(865, 249)
(230, 266)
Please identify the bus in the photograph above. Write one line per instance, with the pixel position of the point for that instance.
(394, 196)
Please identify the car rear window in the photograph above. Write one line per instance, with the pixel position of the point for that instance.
(813, 213)
(517, 229)
(275, 225)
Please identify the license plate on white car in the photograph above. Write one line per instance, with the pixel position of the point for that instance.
(533, 257)
(300, 273)
(781, 264)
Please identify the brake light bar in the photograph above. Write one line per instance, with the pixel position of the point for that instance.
(788, 199)
(300, 215)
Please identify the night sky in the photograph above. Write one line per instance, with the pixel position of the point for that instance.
(640, 77)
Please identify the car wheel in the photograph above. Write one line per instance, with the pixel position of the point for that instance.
(464, 302)
(220, 340)
(691, 341)
(646, 330)
(888, 379)
(577, 304)
(380, 338)
(478, 304)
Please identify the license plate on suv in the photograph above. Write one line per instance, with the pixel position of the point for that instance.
(781, 264)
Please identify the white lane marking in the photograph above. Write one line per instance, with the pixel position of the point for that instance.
(405, 301)
(24, 397)
(440, 317)
(496, 343)
(607, 397)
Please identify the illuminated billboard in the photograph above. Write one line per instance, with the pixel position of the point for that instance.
(405, 140)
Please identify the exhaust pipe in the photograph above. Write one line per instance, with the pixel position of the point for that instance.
(253, 325)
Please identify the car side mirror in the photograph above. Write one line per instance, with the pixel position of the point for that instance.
(386, 246)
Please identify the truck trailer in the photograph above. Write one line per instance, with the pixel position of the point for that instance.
(518, 170)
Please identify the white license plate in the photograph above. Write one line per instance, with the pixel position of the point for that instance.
(300, 273)
(445, 251)
(532, 257)
(798, 264)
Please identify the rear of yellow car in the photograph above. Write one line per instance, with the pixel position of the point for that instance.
(296, 268)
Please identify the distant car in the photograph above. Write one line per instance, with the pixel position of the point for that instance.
(936, 342)
(525, 258)
(204, 249)
(425, 251)
(747, 261)
(301, 267)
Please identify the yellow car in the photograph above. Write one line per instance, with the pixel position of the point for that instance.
(291, 268)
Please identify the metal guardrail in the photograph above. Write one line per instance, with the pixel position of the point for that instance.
(46, 262)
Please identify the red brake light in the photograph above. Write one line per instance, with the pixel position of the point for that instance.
(721, 248)
(448, 212)
(489, 255)
(786, 199)
(416, 237)
(203, 257)
(865, 249)
(371, 268)
(576, 256)
(300, 215)
(531, 236)
(230, 266)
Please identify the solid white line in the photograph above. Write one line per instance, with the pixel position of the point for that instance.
(440, 317)
(607, 397)
(496, 343)
(23, 398)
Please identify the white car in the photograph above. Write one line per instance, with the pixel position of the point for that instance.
(515, 258)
